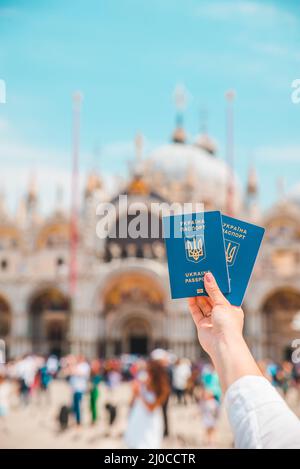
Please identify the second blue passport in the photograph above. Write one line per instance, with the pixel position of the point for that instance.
(242, 243)
(195, 245)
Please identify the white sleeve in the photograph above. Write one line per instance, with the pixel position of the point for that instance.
(259, 417)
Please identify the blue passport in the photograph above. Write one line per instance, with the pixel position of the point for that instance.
(195, 245)
(242, 243)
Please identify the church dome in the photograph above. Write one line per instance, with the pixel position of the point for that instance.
(178, 162)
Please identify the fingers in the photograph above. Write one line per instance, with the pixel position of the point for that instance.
(200, 307)
(204, 305)
(195, 310)
(213, 290)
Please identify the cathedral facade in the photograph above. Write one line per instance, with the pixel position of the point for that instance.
(121, 303)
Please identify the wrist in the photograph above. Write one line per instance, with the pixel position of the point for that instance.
(232, 359)
(228, 344)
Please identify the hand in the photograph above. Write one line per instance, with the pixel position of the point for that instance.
(136, 388)
(215, 318)
(220, 332)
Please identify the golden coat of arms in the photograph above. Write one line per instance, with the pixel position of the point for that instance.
(195, 248)
(231, 251)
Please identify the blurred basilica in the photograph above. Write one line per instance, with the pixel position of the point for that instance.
(122, 302)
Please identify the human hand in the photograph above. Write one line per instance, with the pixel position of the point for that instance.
(215, 318)
(136, 388)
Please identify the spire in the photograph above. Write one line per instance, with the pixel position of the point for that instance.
(73, 267)
(59, 199)
(31, 197)
(252, 202)
(31, 201)
(139, 143)
(281, 188)
(180, 98)
(3, 211)
(203, 140)
(93, 184)
(137, 184)
(21, 214)
(230, 96)
(252, 183)
(32, 192)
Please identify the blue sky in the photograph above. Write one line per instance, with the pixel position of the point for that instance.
(126, 57)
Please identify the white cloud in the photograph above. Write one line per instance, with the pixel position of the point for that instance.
(14, 181)
(4, 125)
(118, 150)
(276, 50)
(224, 62)
(237, 9)
(125, 150)
(51, 167)
(294, 193)
(13, 149)
(288, 154)
(16, 151)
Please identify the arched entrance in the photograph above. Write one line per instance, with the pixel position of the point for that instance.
(49, 322)
(133, 314)
(5, 323)
(136, 336)
(280, 325)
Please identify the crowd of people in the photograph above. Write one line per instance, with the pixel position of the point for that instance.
(156, 383)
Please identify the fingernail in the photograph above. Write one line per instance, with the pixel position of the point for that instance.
(209, 277)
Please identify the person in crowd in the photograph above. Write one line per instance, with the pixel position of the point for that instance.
(209, 407)
(284, 376)
(113, 376)
(45, 379)
(258, 415)
(79, 382)
(180, 377)
(26, 370)
(296, 379)
(210, 381)
(52, 365)
(192, 384)
(164, 359)
(145, 423)
(95, 379)
(268, 369)
(4, 400)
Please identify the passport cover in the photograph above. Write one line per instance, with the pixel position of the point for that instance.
(195, 245)
(242, 243)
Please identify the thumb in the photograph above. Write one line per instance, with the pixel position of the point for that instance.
(213, 290)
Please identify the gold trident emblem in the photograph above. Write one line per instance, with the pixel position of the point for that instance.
(230, 252)
(195, 249)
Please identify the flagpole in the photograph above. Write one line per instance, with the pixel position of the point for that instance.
(230, 96)
(77, 100)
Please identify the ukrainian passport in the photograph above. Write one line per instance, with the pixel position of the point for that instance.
(195, 245)
(242, 243)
